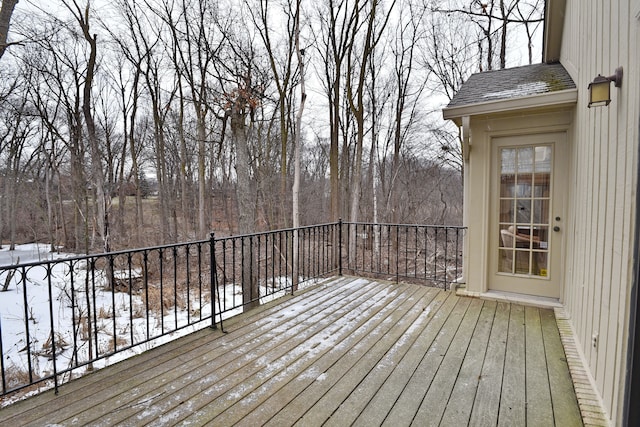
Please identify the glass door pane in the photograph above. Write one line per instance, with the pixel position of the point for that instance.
(525, 184)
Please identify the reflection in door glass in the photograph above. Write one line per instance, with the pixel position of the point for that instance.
(525, 184)
(525, 160)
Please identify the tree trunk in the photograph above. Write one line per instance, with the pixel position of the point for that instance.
(503, 37)
(246, 204)
(298, 149)
(47, 192)
(202, 192)
(5, 18)
(101, 196)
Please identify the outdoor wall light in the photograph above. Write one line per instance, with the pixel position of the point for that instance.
(600, 88)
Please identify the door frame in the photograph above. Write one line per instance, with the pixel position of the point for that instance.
(550, 286)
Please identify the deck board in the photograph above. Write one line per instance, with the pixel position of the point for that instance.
(464, 393)
(349, 351)
(565, 412)
(539, 410)
(389, 355)
(513, 399)
(486, 403)
(405, 408)
(438, 396)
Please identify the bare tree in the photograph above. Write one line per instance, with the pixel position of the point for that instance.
(357, 75)
(194, 46)
(142, 47)
(17, 129)
(407, 89)
(57, 59)
(205, 95)
(530, 13)
(242, 81)
(334, 40)
(102, 197)
(281, 63)
(298, 144)
(493, 18)
(136, 50)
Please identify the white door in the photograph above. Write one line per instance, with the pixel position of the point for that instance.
(527, 214)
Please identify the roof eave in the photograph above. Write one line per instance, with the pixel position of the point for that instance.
(549, 99)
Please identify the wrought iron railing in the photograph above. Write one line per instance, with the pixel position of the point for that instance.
(63, 317)
(424, 253)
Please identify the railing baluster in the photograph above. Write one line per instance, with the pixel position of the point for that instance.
(340, 247)
(74, 326)
(257, 267)
(251, 269)
(316, 240)
(212, 278)
(130, 269)
(435, 255)
(446, 257)
(273, 265)
(94, 326)
(426, 250)
(199, 246)
(174, 252)
(187, 263)
(112, 281)
(26, 324)
(415, 251)
(2, 367)
(161, 267)
(224, 274)
(54, 356)
(146, 292)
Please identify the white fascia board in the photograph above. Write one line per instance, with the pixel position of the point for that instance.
(550, 99)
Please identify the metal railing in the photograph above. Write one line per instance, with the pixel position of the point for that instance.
(424, 253)
(63, 317)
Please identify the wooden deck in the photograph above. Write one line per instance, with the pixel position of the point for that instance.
(347, 352)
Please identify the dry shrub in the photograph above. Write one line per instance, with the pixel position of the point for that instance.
(169, 299)
(47, 347)
(104, 313)
(119, 343)
(138, 311)
(15, 376)
(83, 323)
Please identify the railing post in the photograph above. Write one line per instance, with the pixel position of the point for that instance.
(54, 357)
(397, 252)
(4, 379)
(295, 259)
(340, 247)
(212, 274)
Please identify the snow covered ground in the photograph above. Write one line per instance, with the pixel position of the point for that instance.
(97, 321)
(32, 252)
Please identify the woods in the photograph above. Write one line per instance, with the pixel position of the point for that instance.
(133, 123)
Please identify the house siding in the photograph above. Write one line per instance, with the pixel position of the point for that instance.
(598, 37)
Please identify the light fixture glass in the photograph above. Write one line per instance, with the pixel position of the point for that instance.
(600, 88)
(599, 92)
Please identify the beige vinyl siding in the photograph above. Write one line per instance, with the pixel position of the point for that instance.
(598, 37)
(570, 57)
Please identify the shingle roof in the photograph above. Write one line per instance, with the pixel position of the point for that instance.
(512, 83)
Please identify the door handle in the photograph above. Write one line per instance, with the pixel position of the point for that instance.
(556, 228)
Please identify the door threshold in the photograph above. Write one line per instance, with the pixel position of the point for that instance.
(532, 300)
